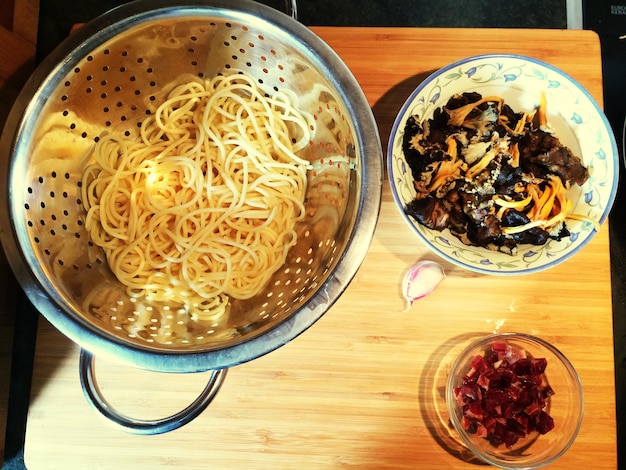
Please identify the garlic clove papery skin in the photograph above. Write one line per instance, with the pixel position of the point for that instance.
(420, 280)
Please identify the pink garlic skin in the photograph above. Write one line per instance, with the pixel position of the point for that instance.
(420, 280)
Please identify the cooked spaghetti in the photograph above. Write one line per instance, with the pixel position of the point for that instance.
(203, 206)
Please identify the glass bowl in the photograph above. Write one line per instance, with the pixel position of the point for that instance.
(565, 406)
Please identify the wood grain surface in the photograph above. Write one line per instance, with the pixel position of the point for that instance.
(363, 388)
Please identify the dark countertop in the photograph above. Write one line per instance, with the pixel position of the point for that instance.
(57, 17)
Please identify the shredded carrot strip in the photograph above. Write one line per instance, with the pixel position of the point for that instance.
(452, 146)
(519, 128)
(546, 194)
(481, 164)
(447, 171)
(505, 123)
(546, 203)
(533, 190)
(514, 151)
(560, 194)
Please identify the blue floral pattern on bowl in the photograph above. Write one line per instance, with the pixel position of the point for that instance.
(576, 119)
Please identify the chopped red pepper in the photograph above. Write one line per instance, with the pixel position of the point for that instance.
(504, 394)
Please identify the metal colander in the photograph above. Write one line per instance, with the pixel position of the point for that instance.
(107, 77)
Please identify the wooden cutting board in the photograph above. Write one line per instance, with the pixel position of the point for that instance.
(363, 387)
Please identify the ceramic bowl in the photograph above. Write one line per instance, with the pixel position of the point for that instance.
(577, 121)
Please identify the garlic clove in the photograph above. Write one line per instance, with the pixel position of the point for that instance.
(420, 280)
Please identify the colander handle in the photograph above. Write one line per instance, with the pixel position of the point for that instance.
(291, 8)
(139, 426)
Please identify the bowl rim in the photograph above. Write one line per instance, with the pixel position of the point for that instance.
(451, 403)
(399, 120)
